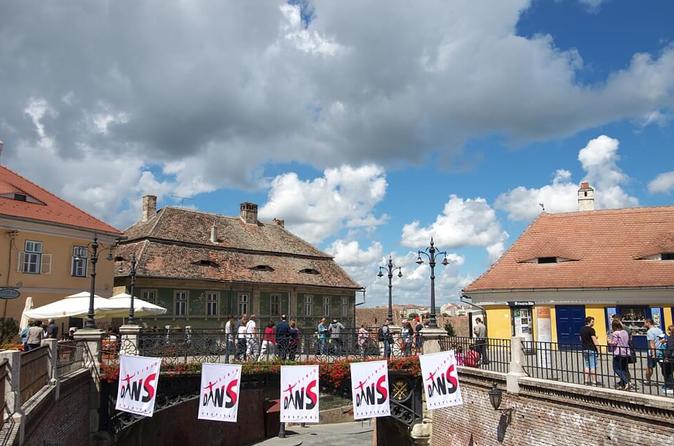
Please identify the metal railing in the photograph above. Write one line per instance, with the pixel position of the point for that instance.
(604, 368)
(487, 353)
(70, 357)
(34, 371)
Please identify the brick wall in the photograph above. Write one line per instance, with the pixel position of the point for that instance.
(550, 413)
(374, 317)
(63, 421)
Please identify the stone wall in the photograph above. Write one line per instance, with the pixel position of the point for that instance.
(62, 421)
(552, 413)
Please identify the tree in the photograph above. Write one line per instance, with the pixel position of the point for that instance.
(9, 329)
(450, 329)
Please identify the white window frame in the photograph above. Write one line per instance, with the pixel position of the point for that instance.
(80, 260)
(212, 300)
(181, 297)
(149, 295)
(32, 257)
(275, 305)
(243, 300)
(326, 306)
(345, 306)
(308, 304)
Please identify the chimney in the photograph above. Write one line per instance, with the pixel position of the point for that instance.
(2, 145)
(214, 234)
(149, 207)
(280, 222)
(585, 197)
(249, 213)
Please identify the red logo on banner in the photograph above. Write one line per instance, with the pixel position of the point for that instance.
(216, 395)
(303, 398)
(141, 389)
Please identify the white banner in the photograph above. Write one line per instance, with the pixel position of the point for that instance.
(220, 391)
(299, 394)
(369, 386)
(138, 378)
(440, 379)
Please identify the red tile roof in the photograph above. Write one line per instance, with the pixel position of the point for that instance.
(51, 208)
(607, 249)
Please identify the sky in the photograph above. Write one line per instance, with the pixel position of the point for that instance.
(370, 127)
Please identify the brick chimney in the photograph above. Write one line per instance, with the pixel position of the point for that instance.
(149, 207)
(585, 197)
(249, 213)
(280, 222)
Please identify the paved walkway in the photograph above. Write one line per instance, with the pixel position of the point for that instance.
(340, 434)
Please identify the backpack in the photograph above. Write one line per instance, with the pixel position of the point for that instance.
(380, 334)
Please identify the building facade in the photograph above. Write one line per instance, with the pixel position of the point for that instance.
(204, 267)
(567, 266)
(45, 246)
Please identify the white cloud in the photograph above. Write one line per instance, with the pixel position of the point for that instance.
(469, 222)
(662, 183)
(349, 254)
(599, 159)
(315, 209)
(592, 5)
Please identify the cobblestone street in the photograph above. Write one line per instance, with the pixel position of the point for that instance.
(340, 434)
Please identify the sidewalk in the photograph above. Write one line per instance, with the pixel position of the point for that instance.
(341, 434)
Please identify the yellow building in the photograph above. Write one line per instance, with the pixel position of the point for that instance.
(568, 266)
(45, 246)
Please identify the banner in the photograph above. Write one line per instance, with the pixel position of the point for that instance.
(369, 385)
(440, 380)
(220, 390)
(299, 394)
(137, 390)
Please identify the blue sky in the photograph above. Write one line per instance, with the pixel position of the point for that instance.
(350, 121)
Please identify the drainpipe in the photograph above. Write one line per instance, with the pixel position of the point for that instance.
(12, 237)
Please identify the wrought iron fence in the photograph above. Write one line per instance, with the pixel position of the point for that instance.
(487, 353)
(638, 370)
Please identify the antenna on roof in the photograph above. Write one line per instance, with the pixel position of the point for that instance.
(182, 199)
(542, 205)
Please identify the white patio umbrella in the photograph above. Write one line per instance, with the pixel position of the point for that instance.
(24, 318)
(75, 305)
(141, 308)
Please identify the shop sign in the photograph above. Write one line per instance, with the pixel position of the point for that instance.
(521, 303)
(9, 293)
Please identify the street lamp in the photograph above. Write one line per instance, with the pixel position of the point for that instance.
(94, 245)
(431, 252)
(132, 274)
(390, 268)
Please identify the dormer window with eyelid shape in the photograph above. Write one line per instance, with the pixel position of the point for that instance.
(206, 262)
(310, 271)
(667, 256)
(264, 268)
(548, 260)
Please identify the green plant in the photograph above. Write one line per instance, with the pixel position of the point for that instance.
(9, 329)
(449, 328)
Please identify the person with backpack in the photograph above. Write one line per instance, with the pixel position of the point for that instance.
(386, 337)
(619, 341)
(667, 364)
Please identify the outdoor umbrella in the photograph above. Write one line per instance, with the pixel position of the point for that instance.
(75, 305)
(141, 308)
(24, 317)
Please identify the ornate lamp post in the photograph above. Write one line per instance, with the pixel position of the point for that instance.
(390, 268)
(132, 274)
(94, 245)
(431, 253)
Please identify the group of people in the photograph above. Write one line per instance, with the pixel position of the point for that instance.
(36, 331)
(280, 339)
(410, 336)
(660, 352)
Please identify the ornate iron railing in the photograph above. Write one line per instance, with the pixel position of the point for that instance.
(486, 353)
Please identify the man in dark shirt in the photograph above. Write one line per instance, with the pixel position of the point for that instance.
(588, 339)
(282, 337)
(52, 329)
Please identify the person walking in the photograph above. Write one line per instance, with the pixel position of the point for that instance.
(251, 337)
(668, 361)
(35, 335)
(283, 337)
(652, 336)
(363, 336)
(407, 335)
(619, 340)
(386, 337)
(294, 341)
(418, 339)
(589, 342)
(230, 328)
(52, 330)
(268, 342)
(323, 333)
(480, 332)
(23, 334)
(336, 335)
(241, 339)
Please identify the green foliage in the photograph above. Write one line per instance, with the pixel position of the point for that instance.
(9, 330)
(450, 329)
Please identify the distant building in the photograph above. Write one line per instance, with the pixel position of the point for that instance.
(203, 267)
(45, 245)
(567, 266)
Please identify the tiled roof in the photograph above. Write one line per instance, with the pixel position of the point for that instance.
(607, 249)
(174, 242)
(51, 208)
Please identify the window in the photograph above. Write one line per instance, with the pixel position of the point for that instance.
(243, 303)
(308, 303)
(264, 268)
(275, 304)
(212, 298)
(181, 303)
(667, 256)
(149, 295)
(79, 261)
(547, 260)
(309, 271)
(32, 257)
(326, 306)
(345, 306)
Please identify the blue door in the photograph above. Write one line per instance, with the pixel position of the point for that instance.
(570, 319)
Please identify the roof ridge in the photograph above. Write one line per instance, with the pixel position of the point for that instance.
(42, 189)
(636, 209)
